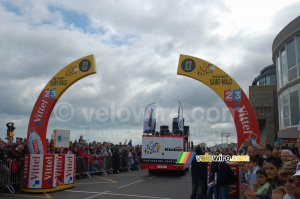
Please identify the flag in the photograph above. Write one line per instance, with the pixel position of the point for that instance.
(149, 117)
(180, 117)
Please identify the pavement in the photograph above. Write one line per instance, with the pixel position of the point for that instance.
(126, 184)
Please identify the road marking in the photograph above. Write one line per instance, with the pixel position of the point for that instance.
(130, 184)
(47, 195)
(113, 181)
(116, 194)
(93, 183)
(151, 177)
(28, 196)
(97, 195)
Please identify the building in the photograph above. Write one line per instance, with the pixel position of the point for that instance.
(263, 97)
(286, 57)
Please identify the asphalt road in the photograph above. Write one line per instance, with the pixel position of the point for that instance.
(135, 184)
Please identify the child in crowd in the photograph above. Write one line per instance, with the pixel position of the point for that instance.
(272, 165)
(251, 167)
(261, 186)
(278, 193)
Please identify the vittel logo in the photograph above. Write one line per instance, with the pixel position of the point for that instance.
(69, 168)
(35, 167)
(48, 167)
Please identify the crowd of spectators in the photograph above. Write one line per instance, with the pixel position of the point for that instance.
(271, 172)
(87, 153)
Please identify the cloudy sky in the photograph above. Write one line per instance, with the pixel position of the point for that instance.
(137, 46)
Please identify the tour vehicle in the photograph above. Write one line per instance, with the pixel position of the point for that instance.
(160, 150)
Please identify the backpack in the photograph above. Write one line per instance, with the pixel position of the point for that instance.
(232, 176)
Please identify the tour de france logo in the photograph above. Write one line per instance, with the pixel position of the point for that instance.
(188, 65)
(85, 65)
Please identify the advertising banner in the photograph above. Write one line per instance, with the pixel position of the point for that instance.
(180, 117)
(60, 169)
(229, 91)
(47, 99)
(26, 170)
(49, 171)
(35, 171)
(61, 138)
(69, 174)
(149, 117)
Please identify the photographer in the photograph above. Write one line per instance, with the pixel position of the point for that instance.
(10, 129)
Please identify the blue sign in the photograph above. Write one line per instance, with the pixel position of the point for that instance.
(236, 94)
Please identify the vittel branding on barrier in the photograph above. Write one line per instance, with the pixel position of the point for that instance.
(36, 168)
(59, 167)
(26, 171)
(49, 171)
(69, 169)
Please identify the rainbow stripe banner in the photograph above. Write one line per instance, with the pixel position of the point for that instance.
(185, 158)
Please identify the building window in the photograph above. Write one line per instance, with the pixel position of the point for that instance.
(294, 102)
(284, 68)
(273, 79)
(279, 72)
(298, 50)
(286, 109)
(262, 81)
(291, 58)
(280, 112)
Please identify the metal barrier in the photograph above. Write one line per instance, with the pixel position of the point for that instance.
(11, 173)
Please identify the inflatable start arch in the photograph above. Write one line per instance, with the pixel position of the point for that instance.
(228, 90)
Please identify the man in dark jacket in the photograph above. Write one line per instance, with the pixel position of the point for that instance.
(116, 158)
(199, 176)
(221, 186)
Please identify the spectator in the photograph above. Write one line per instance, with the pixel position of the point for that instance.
(278, 193)
(272, 166)
(260, 157)
(17, 153)
(130, 143)
(268, 150)
(10, 129)
(116, 158)
(285, 155)
(199, 175)
(261, 186)
(221, 187)
(251, 150)
(251, 167)
(244, 146)
(288, 170)
(3, 149)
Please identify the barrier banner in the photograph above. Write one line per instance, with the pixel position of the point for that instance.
(26, 171)
(49, 171)
(37, 127)
(35, 171)
(69, 174)
(60, 167)
(229, 91)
